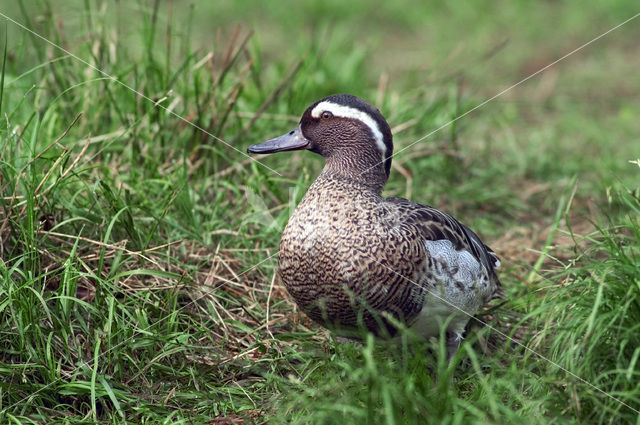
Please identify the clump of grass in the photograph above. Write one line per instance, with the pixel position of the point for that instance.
(591, 324)
(116, 280)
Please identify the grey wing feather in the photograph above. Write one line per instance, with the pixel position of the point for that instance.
(437, 225)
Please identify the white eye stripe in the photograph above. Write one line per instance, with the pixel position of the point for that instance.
(347, 112)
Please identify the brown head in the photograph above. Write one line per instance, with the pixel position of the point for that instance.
(348, 132)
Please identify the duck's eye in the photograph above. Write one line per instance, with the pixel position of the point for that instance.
(327, 115)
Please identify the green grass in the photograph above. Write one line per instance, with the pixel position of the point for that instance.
(137, 284)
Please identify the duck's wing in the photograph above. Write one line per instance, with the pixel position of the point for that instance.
(436, 225)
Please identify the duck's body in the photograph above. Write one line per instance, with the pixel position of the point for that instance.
(352, 259)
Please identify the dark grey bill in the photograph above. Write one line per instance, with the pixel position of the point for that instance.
(291, 141)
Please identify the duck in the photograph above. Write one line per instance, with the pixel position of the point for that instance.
(356, 261)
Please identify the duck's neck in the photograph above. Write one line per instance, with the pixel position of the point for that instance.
(368, 172)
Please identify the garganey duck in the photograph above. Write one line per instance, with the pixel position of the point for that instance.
(352, 259)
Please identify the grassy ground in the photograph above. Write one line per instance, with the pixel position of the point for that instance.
(137, 240)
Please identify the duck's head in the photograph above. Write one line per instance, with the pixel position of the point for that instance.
(348, 132)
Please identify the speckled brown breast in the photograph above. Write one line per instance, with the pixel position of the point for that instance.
(343, 256)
